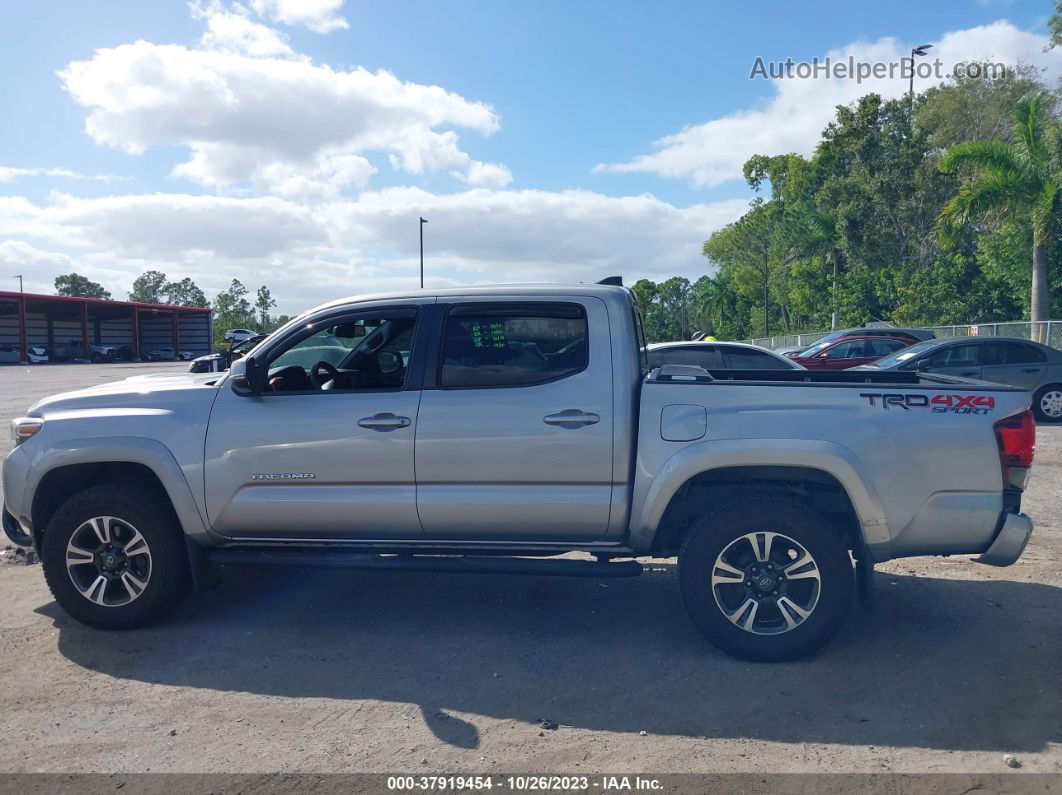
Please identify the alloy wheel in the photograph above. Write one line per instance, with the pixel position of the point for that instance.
(766, 583)
(108, 561)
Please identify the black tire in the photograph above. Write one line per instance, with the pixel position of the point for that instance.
(728, 522)
(1038, 410)
(148, 511)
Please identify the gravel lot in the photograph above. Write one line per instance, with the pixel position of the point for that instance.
(957, 665)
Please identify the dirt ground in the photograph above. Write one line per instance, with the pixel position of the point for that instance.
(957, 665)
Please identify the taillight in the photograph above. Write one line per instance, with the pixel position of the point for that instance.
(1016, 439)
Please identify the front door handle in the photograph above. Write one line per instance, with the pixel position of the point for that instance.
(1031, 370)
(571, 418)
(385, 421)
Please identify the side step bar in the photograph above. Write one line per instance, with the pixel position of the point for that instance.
(456, 564)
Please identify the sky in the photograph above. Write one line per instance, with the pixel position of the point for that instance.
(296, 143)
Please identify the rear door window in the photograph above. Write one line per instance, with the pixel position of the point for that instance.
(510, 345)
(1012, 353)
(883, 346)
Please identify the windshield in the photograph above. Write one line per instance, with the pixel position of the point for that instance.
(903, 355)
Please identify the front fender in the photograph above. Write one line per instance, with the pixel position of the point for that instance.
(134, 449)
(653, 493)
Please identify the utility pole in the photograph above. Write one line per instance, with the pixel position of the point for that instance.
(919, 51)
(833, 315)
(766, 318)
(422, 222)
(19, 277)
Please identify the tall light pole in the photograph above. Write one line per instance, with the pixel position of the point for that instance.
(19, 277)
(919, 51)
(422, 222)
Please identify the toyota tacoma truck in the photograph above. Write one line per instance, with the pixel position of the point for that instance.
(495, 430)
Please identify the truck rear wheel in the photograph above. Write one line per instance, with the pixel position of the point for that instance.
(114, 556)
(765, 578)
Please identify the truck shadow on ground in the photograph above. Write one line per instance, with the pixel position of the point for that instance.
(945, 664)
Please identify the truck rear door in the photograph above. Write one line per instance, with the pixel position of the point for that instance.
(514, 435)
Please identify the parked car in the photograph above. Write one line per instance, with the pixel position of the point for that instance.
(909, 336)
(160, 354)
(718, 356)
(99, 352)
(239, 334)
(75, 349)
(490, 430)
(1003, 360)
(220, 361)
(847, 352)
(9, 354)
(185, 356)
(37, 354)
(124, 353)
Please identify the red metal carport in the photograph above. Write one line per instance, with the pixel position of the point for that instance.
(29, 319)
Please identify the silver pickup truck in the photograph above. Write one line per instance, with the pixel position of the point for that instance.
(494, 430)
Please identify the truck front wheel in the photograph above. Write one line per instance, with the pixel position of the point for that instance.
(765, 578)
(114, 556)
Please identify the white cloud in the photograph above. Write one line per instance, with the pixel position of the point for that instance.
(166, 225)
(11, 173)
(713, 152)
(320, 16)
(233, 31)
(273, 123)
(342, 247)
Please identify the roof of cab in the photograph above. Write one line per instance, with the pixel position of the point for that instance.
(516, 290)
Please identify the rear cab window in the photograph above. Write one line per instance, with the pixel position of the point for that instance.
(512, 345)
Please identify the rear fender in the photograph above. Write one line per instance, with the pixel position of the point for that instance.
(652, 497)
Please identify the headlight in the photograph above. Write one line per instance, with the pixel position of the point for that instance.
(23, 428)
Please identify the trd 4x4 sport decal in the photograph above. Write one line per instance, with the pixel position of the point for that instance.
(938, 404)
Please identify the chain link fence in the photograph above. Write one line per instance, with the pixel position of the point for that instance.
(1049, 332)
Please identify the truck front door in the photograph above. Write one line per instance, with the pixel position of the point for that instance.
(326, 453)
(514, 436)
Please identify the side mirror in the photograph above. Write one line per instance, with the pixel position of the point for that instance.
(922, 364)
(247, 381)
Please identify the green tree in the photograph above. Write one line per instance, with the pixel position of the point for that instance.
(80, 286)
(184, 293)
(262, 304)
(232, 310)
(748, 249)
(1010, 180)
(149, 287)
(1054, 24)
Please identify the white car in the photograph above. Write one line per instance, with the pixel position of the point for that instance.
(718, 356)
(239, 334)
(37, 355)
(186, 356)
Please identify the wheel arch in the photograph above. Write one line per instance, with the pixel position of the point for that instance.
(824, 474)
(80, 463)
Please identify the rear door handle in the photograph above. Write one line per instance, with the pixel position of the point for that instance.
(385, 421)
(571, 418)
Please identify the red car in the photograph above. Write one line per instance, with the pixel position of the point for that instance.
(847, 352)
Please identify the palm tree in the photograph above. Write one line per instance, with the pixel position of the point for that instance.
(1010, 179)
